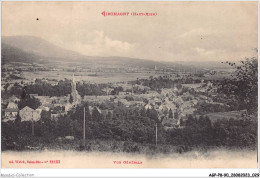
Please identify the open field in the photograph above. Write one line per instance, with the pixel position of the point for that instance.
(225, 115)
(101, 77)
(74, 159)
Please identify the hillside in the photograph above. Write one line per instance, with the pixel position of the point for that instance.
(12, 54)
(33, 49)
(39, 47)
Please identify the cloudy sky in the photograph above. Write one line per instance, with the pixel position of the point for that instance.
(190, 31)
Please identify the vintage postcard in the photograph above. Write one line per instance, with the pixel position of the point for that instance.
(129, 84)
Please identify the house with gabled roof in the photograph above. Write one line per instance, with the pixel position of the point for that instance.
(11, 112)
(12, 105)
(27, 114)
(14, 99)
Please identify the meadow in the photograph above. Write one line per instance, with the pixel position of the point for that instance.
(225, 115)
(89, 77)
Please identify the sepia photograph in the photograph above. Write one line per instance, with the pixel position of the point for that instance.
(129, 84)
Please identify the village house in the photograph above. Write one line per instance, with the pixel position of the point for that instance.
(105, 112)
(91, 108)
(53, 83)
(12, 105)
(14, 99)
(46, 102)
(45, 108)
(148, 106)
(54, 116)
(67, 106)
(62, 102)
(44, 99)
(11, 112)
(33, 95)
(27, 114)
(170, 122)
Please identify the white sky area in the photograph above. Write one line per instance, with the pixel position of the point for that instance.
(182, 31)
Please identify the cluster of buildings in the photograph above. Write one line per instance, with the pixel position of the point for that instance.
(55, 105)
(172, 100)
(172, 105)
(26, 114)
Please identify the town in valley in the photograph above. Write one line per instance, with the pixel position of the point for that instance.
(120, 104)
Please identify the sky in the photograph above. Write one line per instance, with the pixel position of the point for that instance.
(181, 31)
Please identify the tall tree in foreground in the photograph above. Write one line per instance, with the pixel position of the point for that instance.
(170, 114)
(31, 102)
(244, 84)
(71, 99)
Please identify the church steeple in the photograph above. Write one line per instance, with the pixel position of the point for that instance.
(74, 93)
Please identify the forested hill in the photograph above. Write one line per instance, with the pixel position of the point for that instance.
(39, 46)
(30, 49)
(12, 54)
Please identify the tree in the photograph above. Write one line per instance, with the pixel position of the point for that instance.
(109, 115)
(71, 99)
(95, 114)
(47, 125)
(137, 81)
(170, 114)
(152, 114)
(117, 90)
(178, 86)
(176, 115)
(142, 112)
(244, 84)
(17, 123)
(64, 126)
(31, 102)
(6, 86)
(87, 112)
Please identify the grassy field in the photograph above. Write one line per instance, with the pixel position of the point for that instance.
(101, 77)
(225, 115)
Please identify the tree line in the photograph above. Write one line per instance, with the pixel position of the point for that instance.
(43, 88)
(136, 125)
(40, 87)
(86, 89)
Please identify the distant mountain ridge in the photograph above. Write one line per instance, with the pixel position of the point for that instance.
(31, 49)
(39, 47)
(34, 49)
(13, 54)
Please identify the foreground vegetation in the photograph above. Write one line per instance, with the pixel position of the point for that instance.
(131, 131)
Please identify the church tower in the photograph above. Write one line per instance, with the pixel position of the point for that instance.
(73, 80)
(74, 93)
